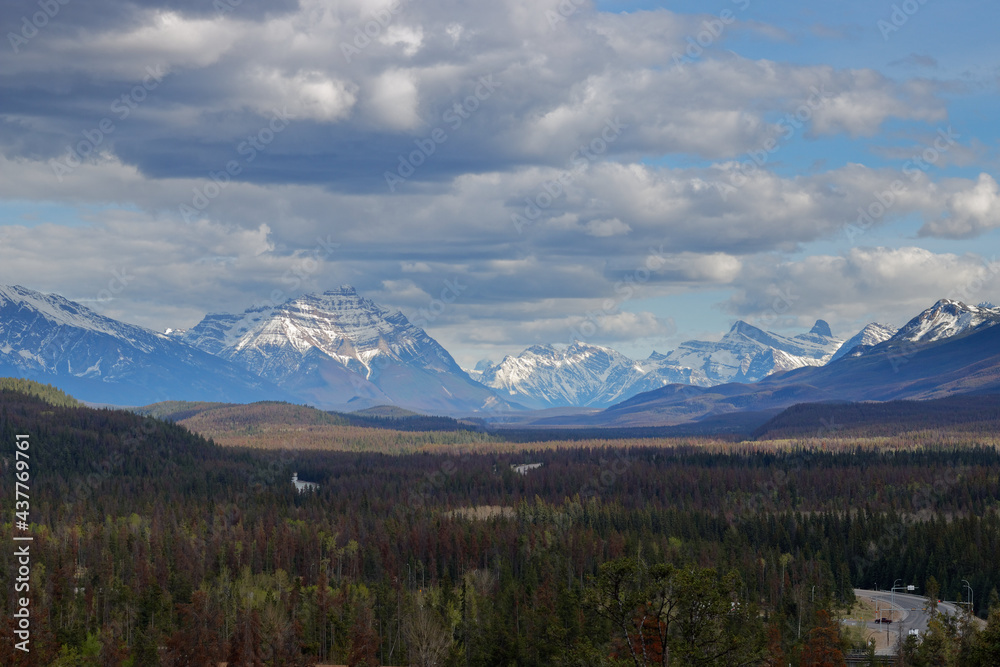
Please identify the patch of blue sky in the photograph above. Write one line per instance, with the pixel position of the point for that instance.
(694, 312)
(889, 232)
(23, 213)
(676, 161)
(987, 245)
(27, 213)
(799, 155)
(817, 33)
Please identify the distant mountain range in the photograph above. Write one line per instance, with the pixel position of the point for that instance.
(339, 350)
(332, 350)
(577, 375)
(585, 375)
(949, 349)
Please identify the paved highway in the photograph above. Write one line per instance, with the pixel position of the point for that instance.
(907, 612)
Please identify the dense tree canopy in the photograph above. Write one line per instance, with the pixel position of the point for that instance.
(156, 546)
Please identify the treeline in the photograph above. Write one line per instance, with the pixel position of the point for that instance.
(156, 546)
(229, 416)
(580, 434)
(46, 392)
(967, 414)
(410, 423)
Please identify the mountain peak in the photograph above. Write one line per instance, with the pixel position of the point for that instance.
(743, 327)
(560, 375)
(343, 290)
(58, 309)
(106, 361)
(871, 335)
(584, 346)
(821, 328)
(335, 347)
(945, 319)
(956, 306)
(952, 305)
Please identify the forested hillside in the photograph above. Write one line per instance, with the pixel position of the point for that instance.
(279, 425)
(149, 536)
(969, 414)
(46, 392)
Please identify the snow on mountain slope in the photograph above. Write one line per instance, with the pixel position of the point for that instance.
(871, 335)
(339, 348)
(945, 319)
(49, 338)
(18, 302)
(578, 375)
(583, 375)
(748, 354)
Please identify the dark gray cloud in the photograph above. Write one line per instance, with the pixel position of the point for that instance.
(547, 92)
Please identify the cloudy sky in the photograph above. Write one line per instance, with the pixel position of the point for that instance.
(506, 173)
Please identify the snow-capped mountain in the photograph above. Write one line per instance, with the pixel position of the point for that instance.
(870, 336)
(949, 349)
(583, 375)
(51, 339)
(945, 319)
(337, 349)
(579, 375)
(748, 354)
